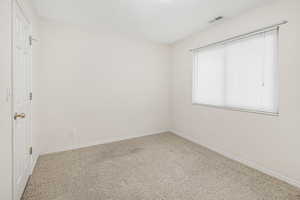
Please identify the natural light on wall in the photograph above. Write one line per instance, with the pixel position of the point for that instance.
(239, 74)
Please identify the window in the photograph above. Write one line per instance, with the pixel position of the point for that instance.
(239, 74)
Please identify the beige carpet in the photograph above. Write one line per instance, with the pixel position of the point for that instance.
(158, 167)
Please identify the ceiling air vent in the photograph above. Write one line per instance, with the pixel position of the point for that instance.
(216, 19)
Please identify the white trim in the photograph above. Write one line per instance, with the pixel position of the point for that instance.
(244, 161)
(105, 141)
(237, 109)
(12, 11)
(33, 164)
(22, 6)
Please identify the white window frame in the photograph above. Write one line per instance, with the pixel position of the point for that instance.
(239, 108)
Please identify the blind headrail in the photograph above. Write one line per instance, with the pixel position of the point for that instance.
(264, 29)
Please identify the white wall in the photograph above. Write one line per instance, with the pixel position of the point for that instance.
(5, 120)
(95, 86)
(267, 142)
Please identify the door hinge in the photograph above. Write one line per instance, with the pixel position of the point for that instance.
(30, 151)
(30, 40)
(30, 96)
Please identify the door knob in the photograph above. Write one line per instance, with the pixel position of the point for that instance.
(22, 116)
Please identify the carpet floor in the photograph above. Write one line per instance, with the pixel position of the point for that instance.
(158, 167)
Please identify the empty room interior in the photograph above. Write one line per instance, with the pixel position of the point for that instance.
(149, 100)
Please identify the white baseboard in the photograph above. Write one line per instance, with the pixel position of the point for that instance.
(110, 140)
(249, 163)
(33, 163)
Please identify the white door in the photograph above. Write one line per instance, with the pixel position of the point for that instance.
(21, 100)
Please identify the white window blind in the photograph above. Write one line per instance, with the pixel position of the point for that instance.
(240, 74)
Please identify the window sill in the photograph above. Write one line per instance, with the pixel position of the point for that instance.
(238, 109)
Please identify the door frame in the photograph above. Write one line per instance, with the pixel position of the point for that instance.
(21, 7)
